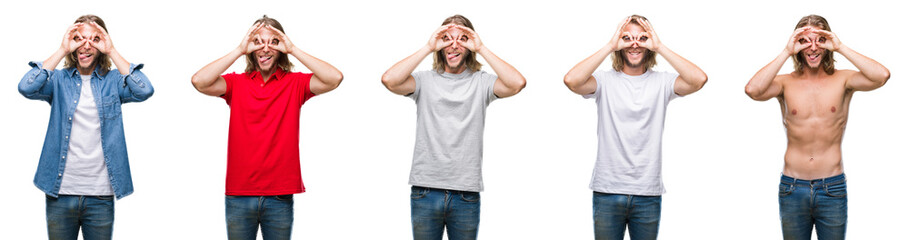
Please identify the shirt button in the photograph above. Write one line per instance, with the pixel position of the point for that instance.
(65, 136)
(261, 85)
(59, 174)
(70, 118)
(64, 157)
(78, 84)
(74, 101)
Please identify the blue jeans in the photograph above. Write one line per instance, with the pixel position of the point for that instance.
(432, 210)
(819, 202)
(246, 213)
(67, 213)
(613, 212)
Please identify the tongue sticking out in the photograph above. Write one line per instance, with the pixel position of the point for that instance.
(453, 55)
(264, 59)
(84, 56)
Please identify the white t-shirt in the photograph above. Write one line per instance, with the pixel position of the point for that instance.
(85, 172)
(631, 110)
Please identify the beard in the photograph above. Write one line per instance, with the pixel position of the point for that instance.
(638, 64)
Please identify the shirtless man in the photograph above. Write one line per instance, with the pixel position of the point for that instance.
(814, 100)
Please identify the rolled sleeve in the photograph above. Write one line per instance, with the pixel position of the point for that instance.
(136, 87)
(34, 84)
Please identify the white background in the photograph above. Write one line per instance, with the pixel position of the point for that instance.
(722, 151)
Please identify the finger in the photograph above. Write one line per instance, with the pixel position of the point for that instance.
(466, 29)
(276, 31)
(101, 29)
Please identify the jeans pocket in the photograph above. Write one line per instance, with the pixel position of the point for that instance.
(470, 196)
(786, 189)
(105, 198)
(836, 190)
(285, 198)
(418, 192)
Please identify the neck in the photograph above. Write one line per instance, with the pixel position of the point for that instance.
(458, 70)
(85, 71)
(812, 72)
(267, 75)
(633, 71)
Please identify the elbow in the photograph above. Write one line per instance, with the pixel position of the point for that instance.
(570, 83)
(387, 80)
(885, 77)
(700, 81)
(754, 93)
(521, 83)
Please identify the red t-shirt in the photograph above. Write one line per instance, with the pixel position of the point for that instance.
(263, 153)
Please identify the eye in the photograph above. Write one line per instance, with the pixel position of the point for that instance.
(96, 39)
(463, 38)
(274, 42)
(445, 38)
(626, 38)
(77, 38)
(822, 40)
(257, 42)
(803, 41)
(643, 38)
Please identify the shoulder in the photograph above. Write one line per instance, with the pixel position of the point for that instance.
(424, 74)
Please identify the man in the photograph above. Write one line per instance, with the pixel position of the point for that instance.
(631, 105)
(83, 164)
(263, 154)
(814, 100)
(451, 110)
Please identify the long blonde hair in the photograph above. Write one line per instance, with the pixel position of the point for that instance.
(618, 59)
(102, 60)
(798, 61)
(438, 61)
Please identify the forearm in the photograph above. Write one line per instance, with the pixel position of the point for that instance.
(119, 61)
(209, 74)
(398, 74)
(324, 72)
(762, 80)
(54, 59)
(873, 70)
(581, 72)
(510, 76)
(688, 72)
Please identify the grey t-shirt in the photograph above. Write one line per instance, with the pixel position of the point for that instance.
(631, 110)
(451, 114)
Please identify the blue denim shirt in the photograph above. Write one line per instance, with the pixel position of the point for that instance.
(61, 88)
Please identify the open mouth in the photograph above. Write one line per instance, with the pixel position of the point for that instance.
(263, 59)
(813, 57)
(85, 56)
(454, 55)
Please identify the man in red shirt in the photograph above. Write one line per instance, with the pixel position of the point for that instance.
(263, 154)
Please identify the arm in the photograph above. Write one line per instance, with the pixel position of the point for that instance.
(136, 87)
(691, 77)
(510, 81)
(325, 76)
(398, 78)
(34, 84)
(765, 84)
(208, 80)
(871, 74)
(580, 78)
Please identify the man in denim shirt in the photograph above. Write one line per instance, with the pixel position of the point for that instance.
(83, 163)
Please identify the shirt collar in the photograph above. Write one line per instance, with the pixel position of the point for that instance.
(278, 75)
(97, 72)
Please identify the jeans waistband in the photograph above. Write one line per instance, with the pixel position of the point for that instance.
(439, 189)
(821, 181)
